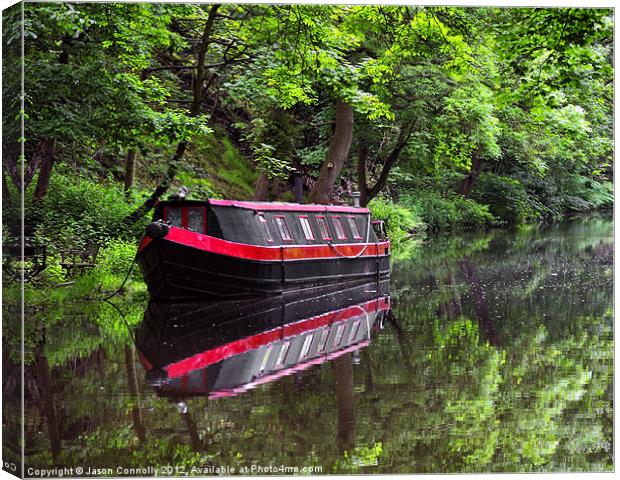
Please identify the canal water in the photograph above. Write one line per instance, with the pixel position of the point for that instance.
(496, 356)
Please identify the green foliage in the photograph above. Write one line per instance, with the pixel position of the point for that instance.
(361, 456)
(94, 90)
(585, 194)
(527, 91)
(216, 168)
(77, 211)
(465, 88)
(404, 228)
(312, 158)
(506, 197)
(236, 170)
(201, 188)
(448, 211)
(271, 143)
(53, 273)
(468, 127)
(601, 194)
(275, 167)
(116, 257)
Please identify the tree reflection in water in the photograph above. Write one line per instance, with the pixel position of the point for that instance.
(497, 356)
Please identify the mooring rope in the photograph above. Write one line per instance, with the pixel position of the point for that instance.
(120, 312)
(116, 307)
(120, 289)
(361, 252)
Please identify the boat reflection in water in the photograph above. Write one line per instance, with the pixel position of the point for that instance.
(224, 349)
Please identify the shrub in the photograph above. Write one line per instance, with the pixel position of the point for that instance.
(115, 258)
(78, 211)
(552, 196)
(473, 215)
(448, 211)
(400, 222)
(506, 197)
(545, 198)
(601, 194)
(582, 194)
(53, 273)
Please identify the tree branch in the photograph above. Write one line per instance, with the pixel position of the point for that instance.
(173, 166)
(202, 52)
(389, 162)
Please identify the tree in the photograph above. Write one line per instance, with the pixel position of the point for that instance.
(337, 154)
(86, 88)
(199, 91)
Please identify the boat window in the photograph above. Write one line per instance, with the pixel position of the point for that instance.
(174, 216)
(354, 228)
(306, 346)
(339, 334)
(263, 364)
(196, 219)
(339, 230)
(305, 226)
(354, 330)
(263, 221)
(323, 228)
(322, 340)
(285, 233)
(282, 354)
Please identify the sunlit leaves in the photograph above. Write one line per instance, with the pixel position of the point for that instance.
(98, 92)
(468, 126)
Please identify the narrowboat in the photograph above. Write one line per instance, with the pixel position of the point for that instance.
(218, 249)
(216, 350)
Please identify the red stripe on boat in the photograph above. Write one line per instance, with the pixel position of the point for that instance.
(287, 207)
(144, 242)
(210, 357)
(271, 253)
(145, 361)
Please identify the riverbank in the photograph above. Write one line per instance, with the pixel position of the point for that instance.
(76, 214)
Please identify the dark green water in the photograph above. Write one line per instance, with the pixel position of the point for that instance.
(498, 356)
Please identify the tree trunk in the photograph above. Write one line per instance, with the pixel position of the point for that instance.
(47, 153)
(44, 383)
(468, 182)
(343, 375)
(192, 429)
(130, 169)
(6, 194)
(46, 149)
(132, 387)
(162, 188)
(261, 192)
(299, 187)
(367, 193)
(362, 182)
(12, 163)
(336, 155)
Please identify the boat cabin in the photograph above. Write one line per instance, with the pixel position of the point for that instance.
(270, 223)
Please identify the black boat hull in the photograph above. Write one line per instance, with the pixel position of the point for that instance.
(178, 272)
